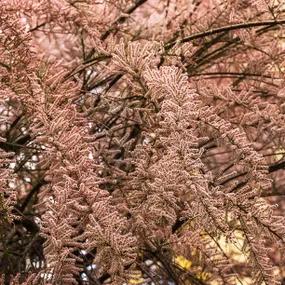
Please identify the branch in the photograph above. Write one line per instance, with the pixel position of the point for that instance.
(122, 18)
(277, 166)
(225, 29)
(37, 27)
(32, 192)
(85, 65)
(5, 66)
(233, 74)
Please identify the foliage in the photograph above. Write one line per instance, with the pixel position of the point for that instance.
(142, 142)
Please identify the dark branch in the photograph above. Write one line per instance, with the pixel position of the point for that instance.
(225, 29)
